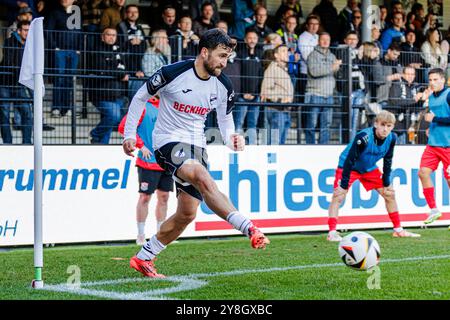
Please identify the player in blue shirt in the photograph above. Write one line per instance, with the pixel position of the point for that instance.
(359, 162)
(438, 146)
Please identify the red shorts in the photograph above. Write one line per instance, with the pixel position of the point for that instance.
(370, 180)
(433, 155)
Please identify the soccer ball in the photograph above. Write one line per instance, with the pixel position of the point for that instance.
(359, 250)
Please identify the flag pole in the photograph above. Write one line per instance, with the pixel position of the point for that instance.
(38, 245)
(32, 76)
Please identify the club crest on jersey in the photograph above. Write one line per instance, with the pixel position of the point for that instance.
(157, 80)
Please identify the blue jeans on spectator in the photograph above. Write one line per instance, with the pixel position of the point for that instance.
(279, 123)
(357, 99)
(133, 87)
(110, 116)
(313, 114)
(23, 108)
(66, 62)
(252, 113)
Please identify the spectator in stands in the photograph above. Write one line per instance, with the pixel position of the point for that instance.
(356, 23)
(307, 41)
(281, 24)
(401, 98)
(358, 96)
(14, 6)
(345, 18)
(190, 39)
(25, 14)
(243, 17)
(290, 39)
(113, 15)
(383, 16)
(271, 41)
(396, 33)
(251, 69)
(286, 5)
(376, 38)
(11, 89)
(108, 92)
(222, 25)
(419, 20)
(445, 46)
(277, 87)
(168, 22)
(204, 22)
(132, 43)
(370, 55)
(260, 26)
(411, 55)
(432, 52)
(386, 70)
(327, 13)
(322, 66)
(158, 53)
(65, 40)
(195, 9)
(92, 13)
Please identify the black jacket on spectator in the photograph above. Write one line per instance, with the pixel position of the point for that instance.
(410, 54)
(12, 60)
(367, 67)
(59, 35)
(133, 53)
(358, 79)
(329, 18)
(261, 32)
(107, 62)
(233, 71)
(251, 69)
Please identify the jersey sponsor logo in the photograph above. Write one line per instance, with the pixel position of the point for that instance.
(187, 108)
(186, 90)
(157, 80)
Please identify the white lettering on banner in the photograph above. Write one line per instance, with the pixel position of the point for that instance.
(281, 188)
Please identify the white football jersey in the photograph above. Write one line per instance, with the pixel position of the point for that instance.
(185, 101)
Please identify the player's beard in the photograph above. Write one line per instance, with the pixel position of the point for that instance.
(212, 71)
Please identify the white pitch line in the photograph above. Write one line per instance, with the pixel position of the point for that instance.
(191, 282)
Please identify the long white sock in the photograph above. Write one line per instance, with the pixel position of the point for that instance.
(151, 249)
(141, 228)
(158, 225)
(239, 222)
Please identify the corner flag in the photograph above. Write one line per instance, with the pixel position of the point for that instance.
(31, 76)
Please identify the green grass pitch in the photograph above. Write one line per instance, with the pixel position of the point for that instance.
(294, 266)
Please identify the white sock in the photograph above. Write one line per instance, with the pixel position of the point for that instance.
(151, 249)
(398, 229)
(141, 228)
(239, 222)
(158, 225)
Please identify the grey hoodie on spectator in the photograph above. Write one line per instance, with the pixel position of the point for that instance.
(382, 70)
(321, 80)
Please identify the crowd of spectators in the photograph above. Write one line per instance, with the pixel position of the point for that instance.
(291, 58)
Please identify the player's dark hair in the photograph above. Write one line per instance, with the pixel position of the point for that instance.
(438, 71)
(20, 24)
(213, 38)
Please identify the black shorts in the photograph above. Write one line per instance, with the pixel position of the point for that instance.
(172, 156)
(151, 180)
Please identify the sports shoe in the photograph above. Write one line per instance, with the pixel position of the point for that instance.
(405, 234)
(434, 215)
(334, 236)
(140, 240)
(146, 267)
(257, 239)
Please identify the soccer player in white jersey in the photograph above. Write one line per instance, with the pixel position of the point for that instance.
(189, 90)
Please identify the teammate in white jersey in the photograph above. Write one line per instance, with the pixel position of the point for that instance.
(189, 90)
